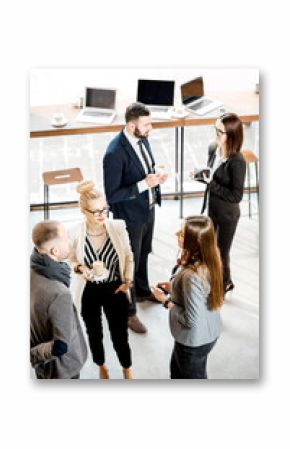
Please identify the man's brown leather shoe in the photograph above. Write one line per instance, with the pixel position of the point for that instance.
(135, 325)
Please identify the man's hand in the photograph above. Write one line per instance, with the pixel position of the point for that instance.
(162, 179)
(152, 180)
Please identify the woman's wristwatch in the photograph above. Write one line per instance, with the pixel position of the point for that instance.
(166, 302)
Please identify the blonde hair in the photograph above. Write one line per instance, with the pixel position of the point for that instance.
(87, 192)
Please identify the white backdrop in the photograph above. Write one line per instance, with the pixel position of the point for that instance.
(144, 415)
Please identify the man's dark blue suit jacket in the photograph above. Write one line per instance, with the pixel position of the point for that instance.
(122, 171)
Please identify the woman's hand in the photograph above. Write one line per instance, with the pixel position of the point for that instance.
(165, 285)
(124, 287)
(158, 294)
(206, 180)
(87, 273)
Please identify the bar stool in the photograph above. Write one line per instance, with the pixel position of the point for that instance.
(58, 177)
(250, 158)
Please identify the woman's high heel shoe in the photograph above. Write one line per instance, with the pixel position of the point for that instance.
(104, 372)
(127, 372)
(228, 287)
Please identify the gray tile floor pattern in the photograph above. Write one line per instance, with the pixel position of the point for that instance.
(236, 355)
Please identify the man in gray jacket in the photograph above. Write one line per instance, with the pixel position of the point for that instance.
(57, 345)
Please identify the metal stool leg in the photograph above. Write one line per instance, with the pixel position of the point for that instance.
(45, 205)
(249, 191)
(257, 183)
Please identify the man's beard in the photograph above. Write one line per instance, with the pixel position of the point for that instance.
(138, 134)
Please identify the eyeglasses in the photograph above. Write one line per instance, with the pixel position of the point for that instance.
(219, 132)
(98, 212)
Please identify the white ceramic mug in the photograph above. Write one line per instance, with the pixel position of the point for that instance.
(58, 117)
(160, 169)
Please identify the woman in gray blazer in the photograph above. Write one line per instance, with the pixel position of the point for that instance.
(194, 299)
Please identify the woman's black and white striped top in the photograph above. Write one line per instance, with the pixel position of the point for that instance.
(107, 254)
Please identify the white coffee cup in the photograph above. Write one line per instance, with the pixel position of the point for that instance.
(58, 117)
(160, 169)
(98, 267)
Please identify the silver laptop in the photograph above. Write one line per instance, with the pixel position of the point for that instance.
(99, 106)
(158, 96)
(194, 100)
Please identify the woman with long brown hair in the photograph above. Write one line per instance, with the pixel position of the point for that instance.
(225, 186)
(196, 295)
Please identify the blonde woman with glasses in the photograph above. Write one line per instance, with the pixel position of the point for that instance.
(103, 262)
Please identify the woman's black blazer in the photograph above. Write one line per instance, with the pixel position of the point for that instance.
(228, 179)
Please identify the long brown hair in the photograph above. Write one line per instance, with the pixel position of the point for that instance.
(200, 251)
(234, 129)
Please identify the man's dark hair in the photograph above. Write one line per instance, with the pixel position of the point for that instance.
(136, 110)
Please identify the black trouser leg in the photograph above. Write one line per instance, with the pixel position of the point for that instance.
(141, 243)
(225, 229)
(174, 371)
(116, 311)
(190, 362)
(225, 236)
(141, 275)
(91, 312)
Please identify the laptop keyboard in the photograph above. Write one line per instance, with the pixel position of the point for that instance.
(200, 105)
(97, 114)
(158, 109)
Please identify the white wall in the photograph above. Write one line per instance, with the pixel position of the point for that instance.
(59, 86)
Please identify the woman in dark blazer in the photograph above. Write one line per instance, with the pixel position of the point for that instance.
(225, 186)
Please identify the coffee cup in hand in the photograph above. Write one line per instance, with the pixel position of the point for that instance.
(98, 268)
(161, 169)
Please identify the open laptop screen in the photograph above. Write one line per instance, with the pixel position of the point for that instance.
(100, 98)
(192, 90)
(156, 92)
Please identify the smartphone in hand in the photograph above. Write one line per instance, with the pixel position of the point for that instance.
(162, 286)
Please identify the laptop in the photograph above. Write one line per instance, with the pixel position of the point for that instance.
(194, 100)
(99, 106)
(158, 96)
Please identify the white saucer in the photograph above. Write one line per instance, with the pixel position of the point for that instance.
(59, 124)
(103, 277)
(182, 114)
